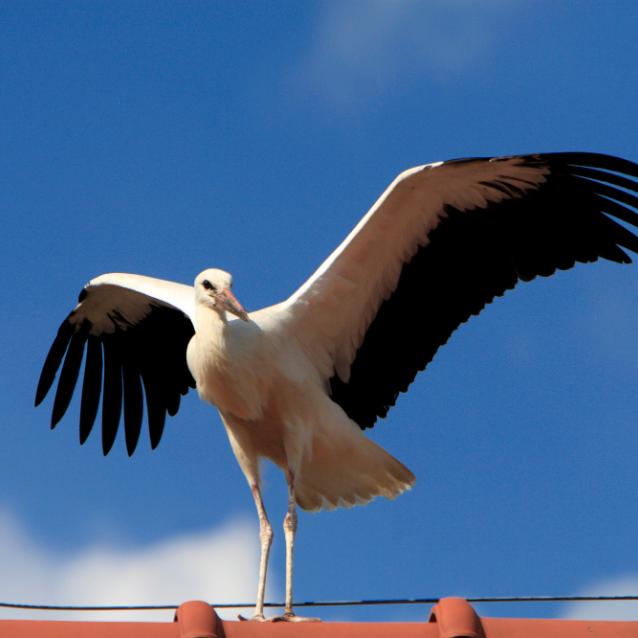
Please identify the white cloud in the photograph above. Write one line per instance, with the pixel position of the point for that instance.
(361, 48)
(217, 565)
(626, 585)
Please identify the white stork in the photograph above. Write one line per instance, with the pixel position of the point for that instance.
(298, 382)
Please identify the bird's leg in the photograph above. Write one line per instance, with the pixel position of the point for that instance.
(290, 529)
(265, 536)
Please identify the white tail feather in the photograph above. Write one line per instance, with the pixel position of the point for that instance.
(346, 468)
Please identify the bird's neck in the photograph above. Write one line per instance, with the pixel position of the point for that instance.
(210, 324)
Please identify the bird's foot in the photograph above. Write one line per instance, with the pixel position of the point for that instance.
(290, 616)
(257, 617)
(287, 617)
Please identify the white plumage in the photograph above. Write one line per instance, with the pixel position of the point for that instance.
(298, 382)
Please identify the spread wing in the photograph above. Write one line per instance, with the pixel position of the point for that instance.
(440, 243)
(135, 331)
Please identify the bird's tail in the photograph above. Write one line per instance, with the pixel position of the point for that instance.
(345, 468)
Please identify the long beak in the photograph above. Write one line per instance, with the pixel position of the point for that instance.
(229, 302)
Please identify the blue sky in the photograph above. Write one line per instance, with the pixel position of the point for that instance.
(162, 138)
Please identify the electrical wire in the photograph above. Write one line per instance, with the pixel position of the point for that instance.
(330, 603)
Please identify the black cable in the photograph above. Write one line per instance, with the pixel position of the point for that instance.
(332, 603)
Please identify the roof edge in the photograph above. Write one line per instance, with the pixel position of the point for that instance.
(450, 618)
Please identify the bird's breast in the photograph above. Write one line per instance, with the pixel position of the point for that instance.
(233, 379)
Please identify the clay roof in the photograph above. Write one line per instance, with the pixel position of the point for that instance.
(450, 618)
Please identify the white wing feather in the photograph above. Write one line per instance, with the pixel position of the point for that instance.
(330, 313)
(117, 292)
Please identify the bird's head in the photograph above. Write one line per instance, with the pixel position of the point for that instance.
(213, 289)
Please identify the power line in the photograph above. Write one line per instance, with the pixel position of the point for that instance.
(331, 603)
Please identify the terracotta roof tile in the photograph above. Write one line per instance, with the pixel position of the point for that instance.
(450, 618)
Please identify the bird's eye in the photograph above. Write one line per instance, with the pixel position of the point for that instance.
(208, 285)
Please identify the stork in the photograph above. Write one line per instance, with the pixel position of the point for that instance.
(298, 382)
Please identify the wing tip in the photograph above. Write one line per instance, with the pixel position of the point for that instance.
(39, 397)
(107, 446)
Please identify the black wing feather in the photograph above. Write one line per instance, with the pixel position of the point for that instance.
(474, 255)
(91, 387)
(112, 402)
(53, 360)
(126, 359)
(605, 176)
(133, 405)
(613, 208)
(155, 407)
(69, 374)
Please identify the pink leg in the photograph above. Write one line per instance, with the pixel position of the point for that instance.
(290, 529)
(265, 536)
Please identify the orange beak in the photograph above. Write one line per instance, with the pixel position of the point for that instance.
(229, 302)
